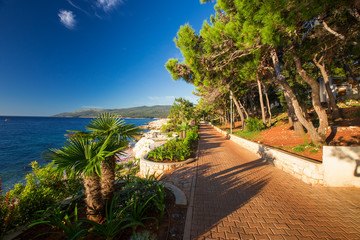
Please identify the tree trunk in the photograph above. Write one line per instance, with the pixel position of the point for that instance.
(108, 178)
(315, 96)
(293, 119)
(267, 104)
(251, 97)
(334, 108)
(225, 115)
(261, 99)
(238, 109)
(243, 108)
(352, 75)
(94, 202)
(315, 137)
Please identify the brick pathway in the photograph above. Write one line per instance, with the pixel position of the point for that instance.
(239, 196)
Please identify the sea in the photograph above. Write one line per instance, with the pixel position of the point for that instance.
(24, 139)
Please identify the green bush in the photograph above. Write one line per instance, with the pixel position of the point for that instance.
(176, 149)
(254, 124)
(141, 197)
(246, 134)
(43, 188)
(298, 149)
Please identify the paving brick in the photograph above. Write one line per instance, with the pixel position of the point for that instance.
(275, 237)
(230, 235)
(261, 236)
(239, 195)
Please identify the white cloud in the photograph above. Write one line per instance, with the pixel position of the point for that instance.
(77, 7)
(107, 5)
(67, 18)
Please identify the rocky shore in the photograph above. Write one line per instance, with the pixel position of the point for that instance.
(153, 139)
(156, 125)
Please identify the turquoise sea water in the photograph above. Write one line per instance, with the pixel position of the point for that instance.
(24, 139)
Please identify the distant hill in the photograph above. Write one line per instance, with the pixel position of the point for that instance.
(158, 111)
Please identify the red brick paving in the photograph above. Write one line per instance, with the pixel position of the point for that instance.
(240, 196)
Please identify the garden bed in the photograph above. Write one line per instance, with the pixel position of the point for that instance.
(171, 227)
(344, 132)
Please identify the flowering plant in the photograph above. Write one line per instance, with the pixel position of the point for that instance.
(142, 147)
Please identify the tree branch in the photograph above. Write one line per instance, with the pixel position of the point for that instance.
(342, 37)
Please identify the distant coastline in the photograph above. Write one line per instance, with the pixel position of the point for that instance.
(143, 112)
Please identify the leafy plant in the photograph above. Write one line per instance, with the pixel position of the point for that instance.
(144, 235)
(246, 134)
(298, 149)
(175, 149)
(116, 221)
(59, 219)
(142, 196)
(9, 212)
(43, 189)
(254, 124)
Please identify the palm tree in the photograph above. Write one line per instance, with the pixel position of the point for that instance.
(83, 156)
(103, 126)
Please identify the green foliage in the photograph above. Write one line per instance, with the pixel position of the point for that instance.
(246, 134)
(254, 125)
(307, 146)
(129, 168)
(43, 188)
(142, 197)
(182, 111)
(9, 213)
(175, 149)
(116, 221)
(63, 220)
(144, 235)
(298, 149)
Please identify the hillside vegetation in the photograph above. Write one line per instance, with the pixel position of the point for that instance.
(158, 111)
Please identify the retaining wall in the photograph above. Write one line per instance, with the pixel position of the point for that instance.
(151, 167)
(307, 170)
(342, 166)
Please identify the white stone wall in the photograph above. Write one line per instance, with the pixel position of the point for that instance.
(308, 171)
(342, 166)
(151, 167)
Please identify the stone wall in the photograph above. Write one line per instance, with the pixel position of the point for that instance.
(341, 166)
(307, 170)
(151, 167)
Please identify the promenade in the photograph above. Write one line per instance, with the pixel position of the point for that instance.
(237, 195)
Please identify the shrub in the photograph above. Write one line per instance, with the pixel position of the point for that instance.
(43, 188)
(298, 149)
(141, 197)
(254, 124)
(175, 149)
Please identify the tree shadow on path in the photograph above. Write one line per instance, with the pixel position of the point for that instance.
(225, 185)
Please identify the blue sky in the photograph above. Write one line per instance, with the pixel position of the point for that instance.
(66, 55)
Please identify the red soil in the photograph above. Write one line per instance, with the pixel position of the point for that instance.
(345, 132)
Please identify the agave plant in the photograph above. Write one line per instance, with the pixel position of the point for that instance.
(116, 221)
(61, 220)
